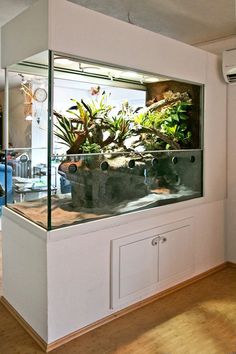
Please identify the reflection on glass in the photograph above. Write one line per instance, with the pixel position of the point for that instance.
(93, 186)
(98, 186)
(28, 105)
(28, 182)
(28, 131)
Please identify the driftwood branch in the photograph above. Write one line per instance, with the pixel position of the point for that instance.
(76, 146)
(166, 101)
(162, 136)
(58, 115)
(108, 141)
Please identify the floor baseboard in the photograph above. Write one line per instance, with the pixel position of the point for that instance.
(231, 264)
(43, 345)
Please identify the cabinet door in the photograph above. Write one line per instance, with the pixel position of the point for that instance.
(175, 255)
(150, 260)
(134, 267)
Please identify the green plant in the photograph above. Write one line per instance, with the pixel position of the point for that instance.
(174, 124)
(91, 126)
(163, 124)
(82, 131)
(120, 126)
(64, 130)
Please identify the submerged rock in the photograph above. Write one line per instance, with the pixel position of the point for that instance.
(97, 182)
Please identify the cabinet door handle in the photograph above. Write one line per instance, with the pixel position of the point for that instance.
(155, 241)
(163, 239)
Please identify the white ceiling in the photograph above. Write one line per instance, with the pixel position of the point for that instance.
(11, 8)
(190, 21)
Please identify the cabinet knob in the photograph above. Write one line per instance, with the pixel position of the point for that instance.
(163, 239)
(155, 241)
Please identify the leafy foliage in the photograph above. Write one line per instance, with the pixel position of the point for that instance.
(64, 130)
(91, 126)
(174, 123)
(165, 128)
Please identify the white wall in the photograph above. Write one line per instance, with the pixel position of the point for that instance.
(231, 193)
(215, 132)
(218, 47)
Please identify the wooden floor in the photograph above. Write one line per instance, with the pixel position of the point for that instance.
(200, 319)
(0, 261)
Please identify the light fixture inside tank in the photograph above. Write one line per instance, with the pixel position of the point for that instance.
(131, 75)
(29, 117)
(73, 64)
(150, 79)
(63, 61)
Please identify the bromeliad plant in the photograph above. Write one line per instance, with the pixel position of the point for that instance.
(91, 127)
(83, 131)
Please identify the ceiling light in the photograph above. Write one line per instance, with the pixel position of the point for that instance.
(150, 79)
(63, 61)
(29, 118)
(131, 75)
(91, 69)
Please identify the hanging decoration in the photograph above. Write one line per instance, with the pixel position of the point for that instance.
(39, 96)
(26, 89)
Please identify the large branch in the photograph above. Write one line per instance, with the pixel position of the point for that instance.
(162, 136)
(108, 141)
(166, 101)
(76, 146)
(58, 115)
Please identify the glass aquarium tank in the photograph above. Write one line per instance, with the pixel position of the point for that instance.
(90, 140)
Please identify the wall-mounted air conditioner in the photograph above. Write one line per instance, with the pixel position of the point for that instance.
(229, 65)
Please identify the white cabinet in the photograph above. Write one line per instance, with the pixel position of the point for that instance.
(134, 266)
(150, 260)
(175, 255)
